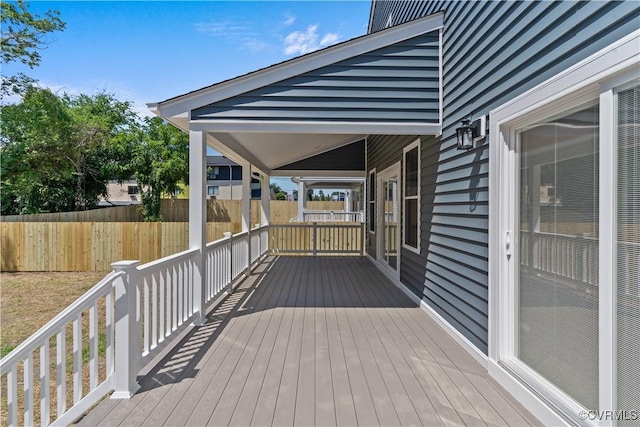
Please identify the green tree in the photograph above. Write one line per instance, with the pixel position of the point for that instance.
(279, 192)
(160, 162)
(58, 152)
(23, 36)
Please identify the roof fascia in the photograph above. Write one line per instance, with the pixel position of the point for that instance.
(359, 128)
(297, 66)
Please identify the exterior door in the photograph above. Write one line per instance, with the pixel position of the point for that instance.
(388, 217)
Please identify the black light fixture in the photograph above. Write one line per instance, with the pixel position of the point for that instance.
(464, 135)
(470, 132)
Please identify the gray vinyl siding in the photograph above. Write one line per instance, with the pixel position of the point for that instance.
(492, 52)
(382, 152)
(396, 84)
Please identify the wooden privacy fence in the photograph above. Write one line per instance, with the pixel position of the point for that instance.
(177, 210)
(93, 246)
(317, 238)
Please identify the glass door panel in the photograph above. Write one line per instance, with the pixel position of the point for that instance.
(390, 222)
(389, 214)
(557, 265)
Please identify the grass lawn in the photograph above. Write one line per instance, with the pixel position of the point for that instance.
(29, 300)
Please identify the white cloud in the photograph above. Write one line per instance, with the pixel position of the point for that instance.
(299, 42)
(235, 32)
(289, 20)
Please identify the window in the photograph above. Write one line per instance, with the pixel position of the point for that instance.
(372, 200)
(213, 190)
(133, 189)
(411, 225)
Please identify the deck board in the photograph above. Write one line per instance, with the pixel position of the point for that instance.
(316, 341)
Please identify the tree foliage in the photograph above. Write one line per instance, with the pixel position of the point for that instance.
(160, 162)
(279, 192)
(23, 36)
(56, 151)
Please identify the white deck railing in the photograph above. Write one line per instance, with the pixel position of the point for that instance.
(135, 309)
(32, 360)
(332, 216)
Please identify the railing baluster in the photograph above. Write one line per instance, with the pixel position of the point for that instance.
(12, 396)
(93, 347)
(146, 329)
(77, 359)
(154, 310)
(27, 375)
(163, 308)
(175, 284)
(61, 371)
(44, 385)
(109, 333)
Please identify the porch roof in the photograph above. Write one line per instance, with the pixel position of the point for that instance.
(388, 82)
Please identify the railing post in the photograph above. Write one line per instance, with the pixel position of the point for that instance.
(315, 238)
(362, 232)
(227, 235)
(127, 331)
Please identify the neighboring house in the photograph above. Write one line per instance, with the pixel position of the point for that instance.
(224, 182)
(125, 193)
(526, 245)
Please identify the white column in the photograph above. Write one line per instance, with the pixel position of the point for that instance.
(347, 200)
(127, 331)
(246, 197)
(265, 202)
(198, 218)
(302, 200)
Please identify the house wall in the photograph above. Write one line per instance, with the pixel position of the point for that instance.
(404, 75)
(492, 52)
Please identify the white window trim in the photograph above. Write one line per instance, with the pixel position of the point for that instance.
(371, 202)
(405, 150)
(593, 78)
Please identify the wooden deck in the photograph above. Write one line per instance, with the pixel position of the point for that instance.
(315, 341)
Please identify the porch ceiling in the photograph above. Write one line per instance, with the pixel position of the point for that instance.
(388, 82)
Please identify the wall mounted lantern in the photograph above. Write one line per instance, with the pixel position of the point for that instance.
(470, 132)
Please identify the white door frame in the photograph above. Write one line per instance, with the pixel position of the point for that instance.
(393, 170)
(592, 78)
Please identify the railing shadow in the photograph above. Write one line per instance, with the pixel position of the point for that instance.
(180, 362)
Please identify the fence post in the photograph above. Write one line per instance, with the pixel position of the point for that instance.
(362, 231)
(127, 331)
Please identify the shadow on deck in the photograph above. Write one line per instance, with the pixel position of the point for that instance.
(315, 341)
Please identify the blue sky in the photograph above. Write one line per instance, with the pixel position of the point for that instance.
(147, 51)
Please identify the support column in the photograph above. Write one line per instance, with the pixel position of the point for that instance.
(246, 197)
(198, 218)
(265, 201)
(302, 200)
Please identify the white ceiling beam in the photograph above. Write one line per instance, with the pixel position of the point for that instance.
(232, 149)
(326, 128)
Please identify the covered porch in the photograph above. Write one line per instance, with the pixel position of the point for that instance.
(315, 341)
